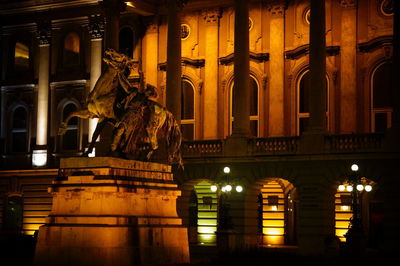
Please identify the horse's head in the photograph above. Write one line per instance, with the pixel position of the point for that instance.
(115, 60)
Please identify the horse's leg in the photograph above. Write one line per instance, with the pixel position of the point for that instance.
(99, 127)
(81, 114)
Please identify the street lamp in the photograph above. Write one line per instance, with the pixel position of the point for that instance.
(356, 185)
(226, 184)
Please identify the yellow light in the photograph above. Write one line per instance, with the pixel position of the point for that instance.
(368, 188)
(344, 208)
(227, 170)
(130, 4)
(341, 188)
(349, 188)
(360, 187)
(274, 208)
(213, 188)
(228, 188)
(239, 188)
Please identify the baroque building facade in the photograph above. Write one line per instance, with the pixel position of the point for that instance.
(312, 96)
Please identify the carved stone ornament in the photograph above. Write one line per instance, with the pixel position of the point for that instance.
(96, 27)
(277, 7)
(387, 7)
(348, 3)
(43, 33)
(211, 15)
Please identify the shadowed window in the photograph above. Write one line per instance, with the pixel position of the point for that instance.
(71, 52)
(19, 131)
(21, 57)
(126, 42)
(70, 139)
(187, 110)
(253, 107)
(382, 106)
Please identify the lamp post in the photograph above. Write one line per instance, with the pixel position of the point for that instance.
(356, 185)
(224, 186)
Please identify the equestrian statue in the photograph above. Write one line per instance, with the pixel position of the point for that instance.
(139, 122)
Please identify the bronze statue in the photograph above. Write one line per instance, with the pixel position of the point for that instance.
(138, 121)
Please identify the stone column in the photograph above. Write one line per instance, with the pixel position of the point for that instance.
(316, 210)
(112, 9)
(277, 69)
(150, 49)
(211, 17)
(317, 120)
(396, 61)
(348, 67)
(39, 157)
(241, 111)
(174, 50)
(96, 30)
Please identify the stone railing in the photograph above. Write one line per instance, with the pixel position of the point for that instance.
(267, 146)
(355, 142)
(202, 148)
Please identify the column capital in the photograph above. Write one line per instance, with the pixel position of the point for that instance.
(176, 3)
(211, 15)
(277, 7)
(348, 3)
(96, 27)
(43, 32)
(151, 24)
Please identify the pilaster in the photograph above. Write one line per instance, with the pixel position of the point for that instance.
(277, 68)
(348, 67)
(211, 18)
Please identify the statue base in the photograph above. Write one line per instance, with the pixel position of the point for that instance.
(110, 211)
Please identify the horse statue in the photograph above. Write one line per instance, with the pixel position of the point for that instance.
(138, 121)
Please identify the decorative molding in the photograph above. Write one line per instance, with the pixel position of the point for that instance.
(96, 27)
(43, 32)
(277, 7)
(197, 63)
(305, 49)
(211, 15)
(348, 3)
(374, 44)
(258, 57)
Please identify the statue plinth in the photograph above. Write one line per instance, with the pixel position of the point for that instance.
(110, 211)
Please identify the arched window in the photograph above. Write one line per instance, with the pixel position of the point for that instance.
(71, 51)
(382, 106)
(187, 110)
(304, 90)
(126, 41)
(19, 130)
(254, 113)
(70, 138)
(21, 57)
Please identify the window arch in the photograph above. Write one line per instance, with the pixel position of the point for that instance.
(19, 129)
(254, 107)
(303, 95)
(70, 140)
(71, 49)
(381, 97)
(21, 57)
(187, 110)
(126, 41)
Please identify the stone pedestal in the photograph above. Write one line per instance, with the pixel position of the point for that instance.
(109, 211)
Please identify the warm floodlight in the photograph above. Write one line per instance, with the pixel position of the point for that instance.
(360, 187)
(342, 188)
(239, 188)
(228, 188)
(39, 158)
(349, 188)
(368, 188)
(227, 170)
(354, 167)
(213, 188)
